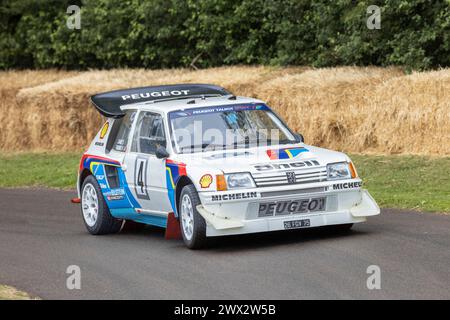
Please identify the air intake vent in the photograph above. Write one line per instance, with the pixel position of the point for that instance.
(112, 176)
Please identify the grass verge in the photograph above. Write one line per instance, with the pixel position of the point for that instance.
(55, 170)
(10, 293)
(408, 182)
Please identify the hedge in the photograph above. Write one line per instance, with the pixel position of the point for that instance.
(174, 33)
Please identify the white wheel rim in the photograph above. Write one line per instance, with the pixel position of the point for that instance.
(187, 216)
(89, 204)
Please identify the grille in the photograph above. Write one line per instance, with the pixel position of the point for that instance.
(280, 178)
(292, 192)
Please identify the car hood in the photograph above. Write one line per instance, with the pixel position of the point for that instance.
(249, 159)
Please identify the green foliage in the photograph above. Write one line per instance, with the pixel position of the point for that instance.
(171, 33)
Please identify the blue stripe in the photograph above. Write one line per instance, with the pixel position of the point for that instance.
(130, 214)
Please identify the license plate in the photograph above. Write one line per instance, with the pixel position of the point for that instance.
(286, 207)
(295, 224)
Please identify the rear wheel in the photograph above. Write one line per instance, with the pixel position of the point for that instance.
(192, 224)
(96, 216)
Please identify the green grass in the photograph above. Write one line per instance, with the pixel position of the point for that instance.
(410, 182)
(39, 169)
(413, 182)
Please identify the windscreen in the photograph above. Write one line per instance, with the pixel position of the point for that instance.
(227, 127)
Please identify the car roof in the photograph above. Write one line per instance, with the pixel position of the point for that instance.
(182, 104)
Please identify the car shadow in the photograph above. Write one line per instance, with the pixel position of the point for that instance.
(278, 238)
(254, 240)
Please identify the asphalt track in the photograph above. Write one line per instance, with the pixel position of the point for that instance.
(41, 234)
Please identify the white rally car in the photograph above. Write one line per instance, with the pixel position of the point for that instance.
(201, 162)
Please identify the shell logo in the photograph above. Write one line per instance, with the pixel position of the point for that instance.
(206, 180)
(104, 130)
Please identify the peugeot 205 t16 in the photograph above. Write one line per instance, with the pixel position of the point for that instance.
(202, 162)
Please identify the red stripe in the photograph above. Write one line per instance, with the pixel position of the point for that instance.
(182, 170)
(175, 162)
(181, 166)
(85, 156)
(273, 154)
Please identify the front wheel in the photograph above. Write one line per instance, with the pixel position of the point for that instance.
(95, 211)
(192, 224)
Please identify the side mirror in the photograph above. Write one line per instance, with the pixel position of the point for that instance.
(161, 152)
(299, 137)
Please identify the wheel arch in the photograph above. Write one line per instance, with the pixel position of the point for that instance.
(83, 175)
(181, 183)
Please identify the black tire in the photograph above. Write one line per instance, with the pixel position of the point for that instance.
(105, 222)
(198, 239)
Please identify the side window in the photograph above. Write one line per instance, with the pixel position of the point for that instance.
(149, 133)
(120, 143)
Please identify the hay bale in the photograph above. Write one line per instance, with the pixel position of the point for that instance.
(354, 109)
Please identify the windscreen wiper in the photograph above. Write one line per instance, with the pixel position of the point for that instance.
(202, 146)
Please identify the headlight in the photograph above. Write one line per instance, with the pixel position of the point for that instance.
(339, 170)
(239, 180)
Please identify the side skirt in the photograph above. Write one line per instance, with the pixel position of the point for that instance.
(130, 214)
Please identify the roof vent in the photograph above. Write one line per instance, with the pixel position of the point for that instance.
(232, 98)
(191, 102)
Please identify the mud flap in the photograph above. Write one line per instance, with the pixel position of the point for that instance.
(173, 230)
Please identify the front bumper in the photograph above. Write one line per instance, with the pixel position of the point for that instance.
(240, 214)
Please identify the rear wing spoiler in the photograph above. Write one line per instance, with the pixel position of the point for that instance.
(109, 103)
